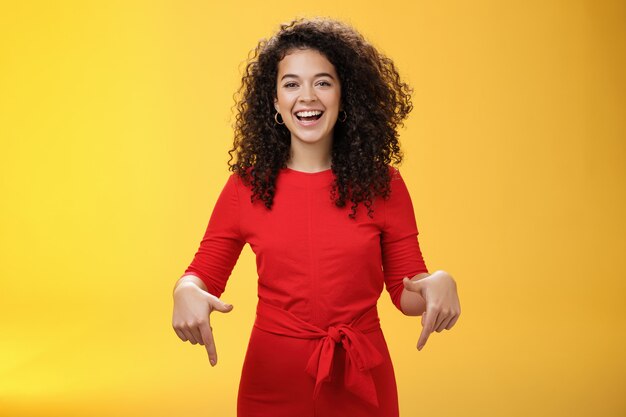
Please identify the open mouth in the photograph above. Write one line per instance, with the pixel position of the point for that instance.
(309, 116)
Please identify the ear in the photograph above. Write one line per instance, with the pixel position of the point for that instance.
(276, 104)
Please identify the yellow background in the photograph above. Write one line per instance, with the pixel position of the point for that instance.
(115, 121)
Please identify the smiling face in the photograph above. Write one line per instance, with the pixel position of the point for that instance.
(307, 81)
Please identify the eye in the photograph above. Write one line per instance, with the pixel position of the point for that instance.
(324, 82)
(291, 84)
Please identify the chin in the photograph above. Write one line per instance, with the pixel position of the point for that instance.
(313, 139)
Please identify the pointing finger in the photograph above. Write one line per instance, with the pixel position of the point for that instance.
(427, 328)
(207, 337)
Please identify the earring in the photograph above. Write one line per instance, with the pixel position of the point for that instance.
(276, 118)
(345, 116)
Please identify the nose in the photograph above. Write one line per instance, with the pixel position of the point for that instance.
(308, 94)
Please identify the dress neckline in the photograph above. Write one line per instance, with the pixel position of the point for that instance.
(303, 179)
(326, 171)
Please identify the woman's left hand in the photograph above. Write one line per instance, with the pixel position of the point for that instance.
(442, 303)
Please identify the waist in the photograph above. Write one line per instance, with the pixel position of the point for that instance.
(362, 355)
(277, 320)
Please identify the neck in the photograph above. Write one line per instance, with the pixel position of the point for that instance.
(310, 157)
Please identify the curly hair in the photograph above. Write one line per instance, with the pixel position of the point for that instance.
(363, 147)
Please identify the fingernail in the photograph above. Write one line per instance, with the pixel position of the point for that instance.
(212, 362)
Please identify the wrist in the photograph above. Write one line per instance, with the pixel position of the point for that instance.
(187, 280)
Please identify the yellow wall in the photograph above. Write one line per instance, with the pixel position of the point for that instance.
(115, 122)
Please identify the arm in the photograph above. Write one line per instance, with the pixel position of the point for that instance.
(196, 292)
(221, 244)
(401, 254)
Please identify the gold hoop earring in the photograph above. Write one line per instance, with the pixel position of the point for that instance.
(276, 118)
(345, 116)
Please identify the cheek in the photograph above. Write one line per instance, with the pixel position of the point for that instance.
(285, 100)
(332, 99)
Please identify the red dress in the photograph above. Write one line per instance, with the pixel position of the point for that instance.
(316, 348)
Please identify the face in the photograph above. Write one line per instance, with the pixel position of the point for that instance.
(308, 81)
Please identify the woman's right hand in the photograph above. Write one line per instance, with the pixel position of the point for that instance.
(191, 318)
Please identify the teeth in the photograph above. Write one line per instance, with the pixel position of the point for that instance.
(308, 113)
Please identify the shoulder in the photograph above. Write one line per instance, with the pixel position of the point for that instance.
(394, 173)
(237, 177)
(240, 181)
(398, 188)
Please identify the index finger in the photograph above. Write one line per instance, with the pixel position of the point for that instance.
(207, 337)
(427, 328)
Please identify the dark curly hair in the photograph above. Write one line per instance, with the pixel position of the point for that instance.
(373, 96)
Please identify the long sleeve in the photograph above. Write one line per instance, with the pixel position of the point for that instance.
(222, 242)
(401, 254)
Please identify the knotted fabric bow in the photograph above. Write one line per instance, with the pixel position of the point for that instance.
(361, 354)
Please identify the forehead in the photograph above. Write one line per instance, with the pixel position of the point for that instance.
(305, 62)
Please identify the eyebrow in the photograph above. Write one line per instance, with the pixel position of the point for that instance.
(321, 74)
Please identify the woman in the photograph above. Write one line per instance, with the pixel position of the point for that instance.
(331, 222)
